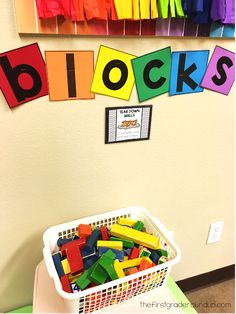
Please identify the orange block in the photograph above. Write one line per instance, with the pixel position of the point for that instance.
(132, 271)
(70, 74)
(144, 265)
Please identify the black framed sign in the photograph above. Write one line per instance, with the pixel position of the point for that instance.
(124, 124)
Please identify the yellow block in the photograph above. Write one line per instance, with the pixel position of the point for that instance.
(126, 222)
(139, 237)
(118, 269)
(117, 245)
(131, 262)
(126, 258)
(148, 259)
(74, 278)
(65, 266)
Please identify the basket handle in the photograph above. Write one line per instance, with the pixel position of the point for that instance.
(49, 262)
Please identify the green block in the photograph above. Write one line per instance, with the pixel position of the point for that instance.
(98, 275)
(83, 281)
(145, 253)
(109, 254)
(152, 73)
(161, 252)
(139, 225)
(126, 243)
(108, 265)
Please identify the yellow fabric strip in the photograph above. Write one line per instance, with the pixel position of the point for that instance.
(124, 10)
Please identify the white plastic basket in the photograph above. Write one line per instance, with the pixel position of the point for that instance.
(116, 291)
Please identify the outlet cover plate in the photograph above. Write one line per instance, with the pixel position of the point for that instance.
(215, 232)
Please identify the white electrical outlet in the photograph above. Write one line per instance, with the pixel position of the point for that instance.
(215, 231)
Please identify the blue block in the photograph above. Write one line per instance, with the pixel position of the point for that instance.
(92, 241)
(57, 262)
(127, 251)
(154, 256)
(87, 252)
(75, 288)
(90, 261)
(119, 254)
(60, 242)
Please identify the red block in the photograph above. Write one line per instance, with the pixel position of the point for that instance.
(65, 282)
(84, 230)
(75, 260)
(134, 253)
(105, 235)
(75, 243)
(144, 265)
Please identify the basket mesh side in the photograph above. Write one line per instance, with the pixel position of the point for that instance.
(120, 293)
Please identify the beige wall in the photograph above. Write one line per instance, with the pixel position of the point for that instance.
(54, 166)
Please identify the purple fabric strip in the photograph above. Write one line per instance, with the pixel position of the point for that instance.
(190, 28)
(162, 27)
(176, 27)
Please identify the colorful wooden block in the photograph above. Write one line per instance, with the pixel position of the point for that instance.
(126, 243)
(132, 271)
(65, 284)
(80, 243)
(57, 262)
(65, 266)
(139, 237)
(134, 253)
(118, 254)
(104, 233)
(126, 222)
(126, 258)
(139, 225)
(154, 256)
(117, 245)
(84, 230)
(60, 242)
(131, 263)
(98, 275)
(127, 252)
(118, 269)
(83, 281)
(107, 264)
(73, 278)
(162, 259)
(162, 252)
(90, 261)
(75, 260)
(86, 252)
(144, 265)
(92, 240)
(144, 252)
